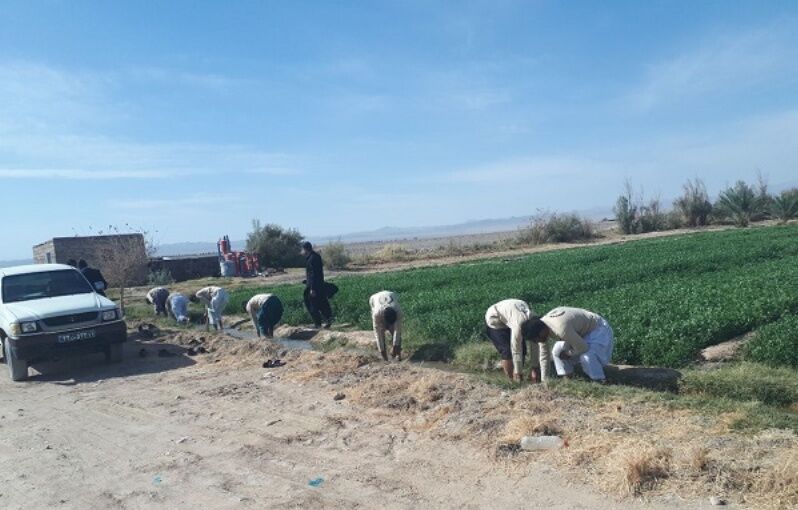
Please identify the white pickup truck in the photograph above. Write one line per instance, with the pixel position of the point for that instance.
(50, 310)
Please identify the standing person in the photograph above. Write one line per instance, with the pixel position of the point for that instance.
(94, 276)
(157, 298)
(266, 311)
(214, 299)
(510, 324)
(583, 336)
(386, 315)
(316, 299)
(177, 307)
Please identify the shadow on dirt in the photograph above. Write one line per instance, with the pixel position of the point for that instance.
(652, 378)
(140, 357)
(433, 352)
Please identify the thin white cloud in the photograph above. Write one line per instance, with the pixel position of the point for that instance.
(479, 99)
(79, 175)
(213, 81)
(504, 173)
(49, 119)
(720, 65)
(200, 199)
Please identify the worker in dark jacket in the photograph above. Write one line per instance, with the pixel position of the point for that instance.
(94, 276)
(316, 299)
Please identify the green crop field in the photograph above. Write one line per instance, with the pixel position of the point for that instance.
(665, 298)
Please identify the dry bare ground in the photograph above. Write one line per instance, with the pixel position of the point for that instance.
(219, 431)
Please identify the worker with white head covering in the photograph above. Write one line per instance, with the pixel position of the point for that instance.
(157, 298)
(177, 307)
(266, 311)
(386, 316)
(215, 300)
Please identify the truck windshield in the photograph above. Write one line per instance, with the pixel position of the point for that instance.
(25, 287)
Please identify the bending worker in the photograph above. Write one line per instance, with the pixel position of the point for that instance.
(266, 311)
(215, 300)
(583, 336)
(177, 307)
(157, 298)
(510, 324)
(386, 315)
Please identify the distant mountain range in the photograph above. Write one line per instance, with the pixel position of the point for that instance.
(385, 234)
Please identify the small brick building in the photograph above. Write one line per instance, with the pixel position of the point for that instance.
(107, 253)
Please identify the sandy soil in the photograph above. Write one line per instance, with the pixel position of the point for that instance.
(218, 431)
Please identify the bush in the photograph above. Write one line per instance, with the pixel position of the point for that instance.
(393, 252)
(160, 277)
(776, 343)
(742, 204)
(694, 205)
(785, 206)
(275, 246)
(652, 219)
(336, 255)
(626, 212)
(634, 216)
(557, 228)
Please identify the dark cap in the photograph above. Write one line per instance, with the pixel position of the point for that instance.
(307, 246)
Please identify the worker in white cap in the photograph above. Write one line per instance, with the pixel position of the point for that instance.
(509, 327)
(386, 316)
(266, 311)
(215, 300)
(157, 298)
(177, 307)
(583, 337)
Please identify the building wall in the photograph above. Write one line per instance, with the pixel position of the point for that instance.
(188, 268)
(44, 253)
(118, 257)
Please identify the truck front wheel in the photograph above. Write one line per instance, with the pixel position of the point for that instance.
(18, 368)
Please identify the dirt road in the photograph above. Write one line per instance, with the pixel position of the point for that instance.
(220, 432)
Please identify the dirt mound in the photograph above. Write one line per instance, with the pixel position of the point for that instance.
(221, 346)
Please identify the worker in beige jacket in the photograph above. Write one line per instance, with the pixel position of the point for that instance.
(386, 316)
(509, 327)
(266, 311)
(583, 337)
(215, 300)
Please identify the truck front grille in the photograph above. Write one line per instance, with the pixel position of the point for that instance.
(68, 320)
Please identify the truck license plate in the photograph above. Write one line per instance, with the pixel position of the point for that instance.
(77, 336)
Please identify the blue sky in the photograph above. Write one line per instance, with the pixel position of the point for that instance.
(190, 119)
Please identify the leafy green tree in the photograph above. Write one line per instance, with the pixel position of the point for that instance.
(785, 206)
(741, 203)
(275, 245)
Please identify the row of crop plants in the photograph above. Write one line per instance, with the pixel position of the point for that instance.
(666, 298)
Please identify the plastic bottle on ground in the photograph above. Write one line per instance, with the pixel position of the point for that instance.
(532, 443)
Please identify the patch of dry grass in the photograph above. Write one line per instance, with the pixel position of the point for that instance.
(529, 425)
(639, 467)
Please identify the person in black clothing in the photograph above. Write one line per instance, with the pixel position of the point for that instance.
(94, 276)
(316, 298)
